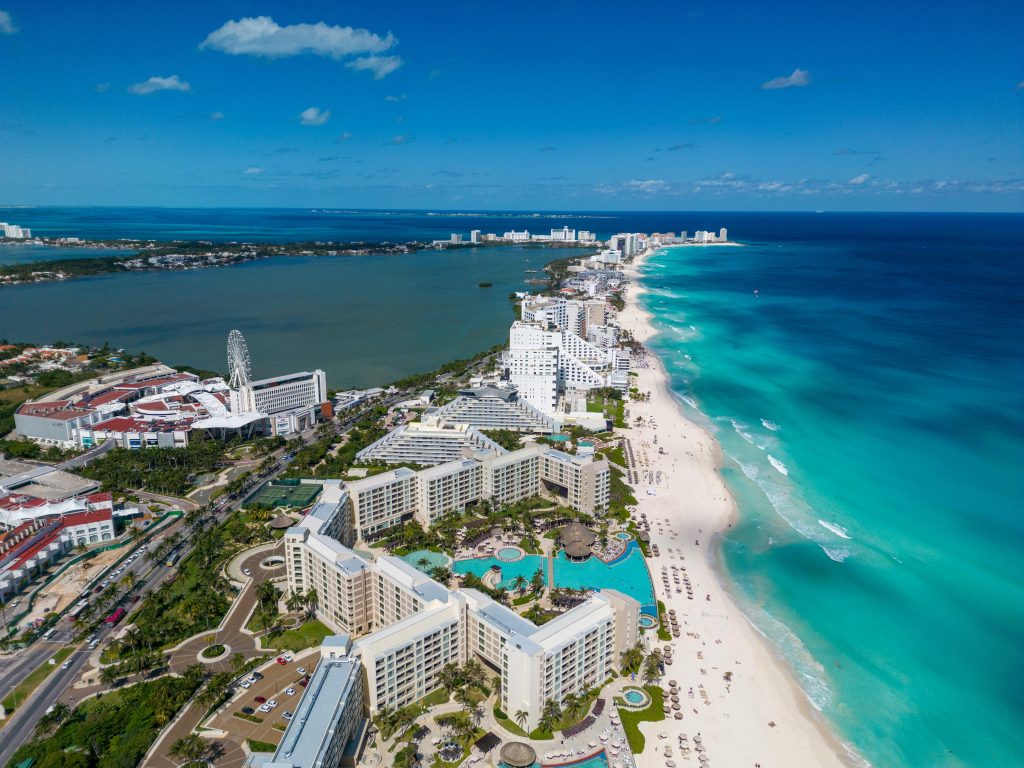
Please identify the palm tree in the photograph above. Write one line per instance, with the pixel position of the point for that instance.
(193, 674)
(537, 580)
(422, 563)
(237, 662)
(727, 677)
(519, 583)
(574, 704)
(111, 674)
(312, 601)
(652, 667)
(450, 676)
(632, 657)
(295, 602)
(191, 747)
(475, 674)
(549, 715)
(54, 717)
(522, 717)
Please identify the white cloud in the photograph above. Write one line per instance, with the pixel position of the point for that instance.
(645, 185)
(381, 66)
(6, 24)
(313, 116)
(253, 170)
(401, 139)
(395, 99)
(262, 36)
(154, 84)
(799, 78)
(216, 115)
(858, 180)
(344, 136)
(1020, 85)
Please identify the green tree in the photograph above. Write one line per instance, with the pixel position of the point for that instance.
(191, 747)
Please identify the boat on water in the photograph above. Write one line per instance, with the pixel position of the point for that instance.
(756, 293)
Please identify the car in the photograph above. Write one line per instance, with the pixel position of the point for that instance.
(288, 657)
(261, 699)
(92, 639)
(264, 708)
(251, 679)
(290, 691)
(93, 645)
(257, 676)
(52, 662)
(247, 572)
(272, 703)
(281, 660)
(247, 710)
(245, 684)
(301, 670)
(287, 715)
(66, 665)
(304, 682)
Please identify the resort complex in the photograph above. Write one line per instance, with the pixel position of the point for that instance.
(159, 407)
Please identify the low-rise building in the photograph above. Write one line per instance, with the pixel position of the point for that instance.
(329, 726)
(427, 443)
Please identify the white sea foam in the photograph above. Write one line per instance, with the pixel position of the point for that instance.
(741, 431)
(836, 528)
(835, 553)
(689, 401)
(779, 466)
(810, 672)
(770, 425)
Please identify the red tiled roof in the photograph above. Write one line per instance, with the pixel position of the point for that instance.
(84, 518)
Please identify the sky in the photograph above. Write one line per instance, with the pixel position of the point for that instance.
(484, 105)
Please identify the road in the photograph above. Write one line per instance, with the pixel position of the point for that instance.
(57, 687)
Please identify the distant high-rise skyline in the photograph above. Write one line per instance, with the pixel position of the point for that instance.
(467, 105)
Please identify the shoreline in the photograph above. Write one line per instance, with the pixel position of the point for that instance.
(762, 716)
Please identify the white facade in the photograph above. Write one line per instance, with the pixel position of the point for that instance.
(281, 394)
(383, 501)
(427, 442)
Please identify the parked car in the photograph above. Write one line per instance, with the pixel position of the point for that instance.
(247, 572)
(304, 682)
(264, 708)
(287, 715)
(257, 675)
(261, 699)
(290, 691)
(245, 684)
(301, 670)
(272, 703)
(281, 660)
(288, 657)
(247, 710)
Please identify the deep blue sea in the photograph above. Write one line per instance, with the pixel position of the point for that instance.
(869, 401)
(870, 405)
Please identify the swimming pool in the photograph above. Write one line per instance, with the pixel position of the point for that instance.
(623, 536)
(636, 698)
(628, 575)
(648, 622)
(600, 760)
(509, 571)
(433, 559)
(509, 554)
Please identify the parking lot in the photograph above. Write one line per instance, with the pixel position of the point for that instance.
(277, 679)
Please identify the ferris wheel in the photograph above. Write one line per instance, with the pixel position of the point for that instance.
(239, 364)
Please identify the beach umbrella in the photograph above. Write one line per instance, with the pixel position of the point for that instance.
(673, 683)
(679, 715)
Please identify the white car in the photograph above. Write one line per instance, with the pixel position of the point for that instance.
(290, 691)
(272, 703)
(66, 665)
(264, 708)
(245, 684)
(247, 572)
(288, 657)
(287, 715)
(301, 670)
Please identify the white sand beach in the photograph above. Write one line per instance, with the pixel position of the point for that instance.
(760, 717)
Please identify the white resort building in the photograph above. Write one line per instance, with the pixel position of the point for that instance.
(426, 443)
(496, 408)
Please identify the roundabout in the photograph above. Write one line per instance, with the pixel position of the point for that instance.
(212, 653)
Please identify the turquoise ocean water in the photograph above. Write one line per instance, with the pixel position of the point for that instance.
(870, 406)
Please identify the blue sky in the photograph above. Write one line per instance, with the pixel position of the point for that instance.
(582, 105)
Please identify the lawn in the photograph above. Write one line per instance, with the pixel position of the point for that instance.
(615, 455)
(34, 679)
(631, 718)
(306, 636)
